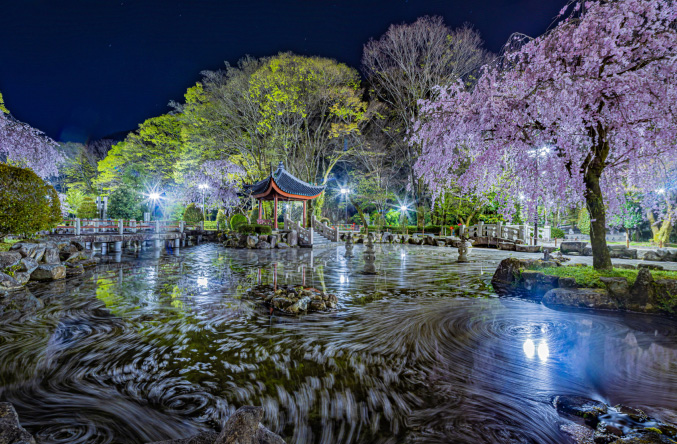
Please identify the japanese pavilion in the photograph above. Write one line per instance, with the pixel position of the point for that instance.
(282, 185)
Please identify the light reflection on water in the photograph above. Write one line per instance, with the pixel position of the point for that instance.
(153, 349)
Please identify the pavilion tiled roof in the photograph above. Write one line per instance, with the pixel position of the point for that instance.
(286, 182)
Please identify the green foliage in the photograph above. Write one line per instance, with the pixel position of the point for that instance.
(74, 197)
(55, 214)
(236, 220)
(124, 203)
(221, 219)
(589, 277)
(79, 170)
(210, 225)
(254, 229)
(151, 152)
(557, 233)
(192, 215)
(175, 211)
(325, 220)
(25, 202)
(583, 223)
(87, 209)
(2, 105)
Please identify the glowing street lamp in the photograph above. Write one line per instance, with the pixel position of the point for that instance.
(661, 191)
(345, 192)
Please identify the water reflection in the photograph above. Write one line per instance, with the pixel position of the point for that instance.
(149, 349)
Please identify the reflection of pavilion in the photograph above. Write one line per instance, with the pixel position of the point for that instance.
(282, 185)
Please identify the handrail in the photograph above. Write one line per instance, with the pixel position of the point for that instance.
(305, 234)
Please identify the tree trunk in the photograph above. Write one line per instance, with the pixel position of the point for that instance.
(601, 260)
(627, 238)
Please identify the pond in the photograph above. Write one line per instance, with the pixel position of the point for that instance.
(159, 345)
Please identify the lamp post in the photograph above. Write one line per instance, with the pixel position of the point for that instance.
(345, 192)
(154, 197)
(403, 215)
(203, 187)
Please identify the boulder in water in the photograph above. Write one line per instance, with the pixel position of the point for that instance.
(11, 431)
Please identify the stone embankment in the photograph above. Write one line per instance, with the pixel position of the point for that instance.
(621, 252)
(42, 261)
(521, 277)
(593, 421)
(243, 427)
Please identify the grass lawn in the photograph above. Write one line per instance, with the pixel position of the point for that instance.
(643, 244)
(588, 277)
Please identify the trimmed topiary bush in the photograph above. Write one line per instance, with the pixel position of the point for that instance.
(192, 215)
(557, 233)
(236, 220)
(87, 209)
(25, 203)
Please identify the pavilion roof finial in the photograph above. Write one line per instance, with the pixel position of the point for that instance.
(280, 166)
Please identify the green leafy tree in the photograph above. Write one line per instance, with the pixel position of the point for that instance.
(629, 218)
(192, 215)
(26, 202)
(55, 214)
(583, 222)
(79, 170)
(87, 209)
(74, 198)
(124, 203)
(151, 153)
(221, 219)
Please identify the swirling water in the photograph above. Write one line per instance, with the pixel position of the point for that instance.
(152, 346)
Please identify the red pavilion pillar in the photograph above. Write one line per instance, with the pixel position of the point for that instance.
(275, 212)
(260, 209)
(304, 214)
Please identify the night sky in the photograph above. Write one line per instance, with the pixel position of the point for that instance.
(90, 68)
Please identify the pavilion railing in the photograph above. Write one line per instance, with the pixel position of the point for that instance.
(305, 234)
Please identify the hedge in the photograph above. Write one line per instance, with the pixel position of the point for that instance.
(254, 229)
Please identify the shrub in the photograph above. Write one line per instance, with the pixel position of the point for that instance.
(324, 220)
(557, 233)
(236, 220)
(192, 215)
(124, 203)
(87, 209)
(25, 204)
(254, 229)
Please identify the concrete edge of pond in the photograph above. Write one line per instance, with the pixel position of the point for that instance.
(522, 278)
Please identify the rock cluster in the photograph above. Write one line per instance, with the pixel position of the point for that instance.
(294, 300)
(42, 261)
(615, 425)
(521, 277)
(280, 240)
(11, 431)
(243, 427)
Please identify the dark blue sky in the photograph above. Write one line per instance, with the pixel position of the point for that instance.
(80, 69)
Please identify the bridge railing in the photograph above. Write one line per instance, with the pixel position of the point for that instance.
(509, 232)
(305, 234)
(331, 233)
(119, 226)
